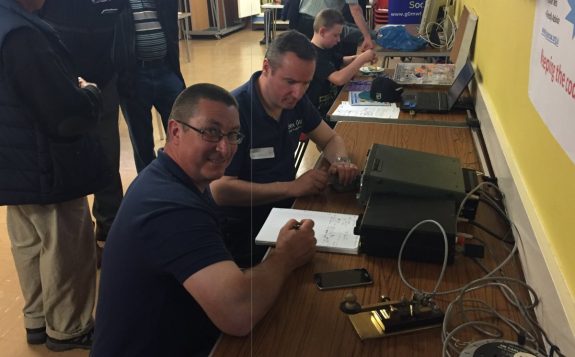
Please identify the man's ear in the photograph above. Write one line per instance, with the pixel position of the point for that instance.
(266, 67)
(174, 130)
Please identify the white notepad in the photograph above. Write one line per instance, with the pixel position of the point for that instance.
(333, 231)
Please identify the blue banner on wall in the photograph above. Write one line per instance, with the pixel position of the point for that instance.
(405, 12)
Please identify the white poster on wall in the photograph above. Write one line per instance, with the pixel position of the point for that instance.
(552, 69)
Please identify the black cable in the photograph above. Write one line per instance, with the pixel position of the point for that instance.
(490, 253)
(493, 204)
(555, 350)
(496, 198)
(487, 230)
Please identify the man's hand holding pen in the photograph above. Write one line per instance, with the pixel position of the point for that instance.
(297, 241)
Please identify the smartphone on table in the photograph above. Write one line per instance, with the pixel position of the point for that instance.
(342, 279)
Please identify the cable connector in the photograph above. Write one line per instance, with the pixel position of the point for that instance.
(473, 250)
(473, 122)
(521, 339)
(491, 179)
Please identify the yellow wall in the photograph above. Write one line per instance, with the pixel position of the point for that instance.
(501, 54)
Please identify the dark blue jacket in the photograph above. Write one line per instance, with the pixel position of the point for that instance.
(87, 28)
(45, 160)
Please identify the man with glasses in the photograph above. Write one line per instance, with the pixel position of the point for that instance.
(274, 112)
(168, 284)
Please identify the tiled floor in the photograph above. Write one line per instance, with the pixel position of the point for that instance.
(227, 62)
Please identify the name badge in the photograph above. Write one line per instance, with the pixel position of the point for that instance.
(262, 153)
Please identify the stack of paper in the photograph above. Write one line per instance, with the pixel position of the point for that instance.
(333, 231)
(346, 111)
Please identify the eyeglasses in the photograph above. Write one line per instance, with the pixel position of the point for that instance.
(214, 135)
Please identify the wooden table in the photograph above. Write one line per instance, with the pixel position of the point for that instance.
(307, 322)
(455, 118)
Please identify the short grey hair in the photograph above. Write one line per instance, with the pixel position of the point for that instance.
(290, 41)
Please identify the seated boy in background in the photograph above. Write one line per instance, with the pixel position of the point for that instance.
(332, 70)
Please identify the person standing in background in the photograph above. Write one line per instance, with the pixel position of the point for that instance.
(51, 158)
(147, 57)
(351, 35)
(87, 29)
(309, 9)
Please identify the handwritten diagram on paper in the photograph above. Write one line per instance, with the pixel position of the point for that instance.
(333, 231)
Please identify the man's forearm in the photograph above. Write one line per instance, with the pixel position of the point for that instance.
(345, 74)
(235, 192)
(267, 281)
(359, 19)
(335, 149)
(237, 300)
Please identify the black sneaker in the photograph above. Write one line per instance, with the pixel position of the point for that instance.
(36, 336)
(84, 342)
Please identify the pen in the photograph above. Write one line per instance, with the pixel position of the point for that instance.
(296, 225)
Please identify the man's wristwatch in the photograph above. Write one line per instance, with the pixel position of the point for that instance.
(343, 159)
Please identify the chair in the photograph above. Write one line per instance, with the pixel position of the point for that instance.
(185, 17)
(300, 150)
(369, 16)
(381, 12)
(270, 9)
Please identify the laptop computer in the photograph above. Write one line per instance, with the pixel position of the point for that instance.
(438, 101)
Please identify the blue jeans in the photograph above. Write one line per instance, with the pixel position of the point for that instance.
(158, 87)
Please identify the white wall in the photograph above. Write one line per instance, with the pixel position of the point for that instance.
(539, 266)
(248, 8)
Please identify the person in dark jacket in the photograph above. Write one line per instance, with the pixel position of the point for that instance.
(290, 13)
(87, 29)
(50, 160)
(147, 56)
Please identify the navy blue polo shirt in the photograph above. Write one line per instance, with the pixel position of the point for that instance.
(267, 153)
(165, 231)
